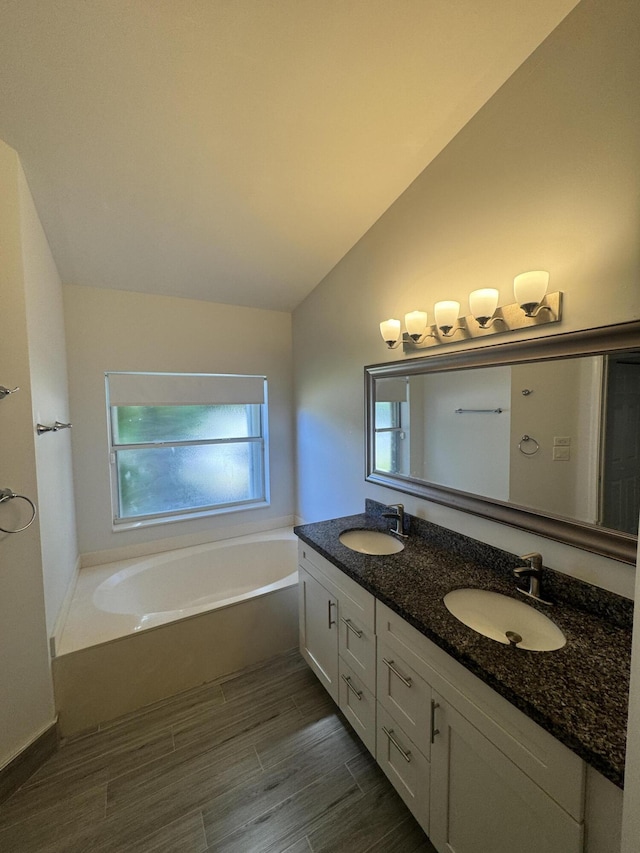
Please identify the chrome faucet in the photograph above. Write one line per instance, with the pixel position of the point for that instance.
(533, 571)
(398, 514)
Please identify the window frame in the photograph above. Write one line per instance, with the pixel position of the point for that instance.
(260, 442)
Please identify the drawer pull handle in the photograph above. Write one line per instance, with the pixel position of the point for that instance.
(351, 627)
(389, 663)
(331, 604)
(434, 730)
(389, 734)
(356, 693)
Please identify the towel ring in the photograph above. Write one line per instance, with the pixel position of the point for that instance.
(528, 438)
(8, 495)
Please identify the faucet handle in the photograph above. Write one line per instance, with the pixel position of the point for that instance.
(534, 560)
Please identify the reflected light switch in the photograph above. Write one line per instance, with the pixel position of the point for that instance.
(561, 454)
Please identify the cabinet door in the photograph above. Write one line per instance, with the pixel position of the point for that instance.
(481, 801)
(319, 630)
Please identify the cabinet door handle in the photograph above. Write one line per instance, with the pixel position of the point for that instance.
(356, 693)
(331, 621)
(405, 680)
(434, 730)
(403, 753)
(351, 627)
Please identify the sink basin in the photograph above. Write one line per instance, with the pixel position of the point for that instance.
(493, 615)
(371, 542)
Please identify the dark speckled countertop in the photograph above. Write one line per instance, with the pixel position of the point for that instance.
(578, 693)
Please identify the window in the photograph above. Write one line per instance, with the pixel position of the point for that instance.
(185, 445)
(391, 415)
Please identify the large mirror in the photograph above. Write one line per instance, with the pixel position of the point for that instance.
(541, 434)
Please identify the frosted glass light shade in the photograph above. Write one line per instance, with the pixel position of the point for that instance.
(390, 331)
(530, 287)
(447, 314)
(415, 323)
(483, 303)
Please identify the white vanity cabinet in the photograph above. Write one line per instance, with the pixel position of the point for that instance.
(476, 772)
(498, 781)
(337, 639)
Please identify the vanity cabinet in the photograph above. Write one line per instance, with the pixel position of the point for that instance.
(475, 771)
(498, 781)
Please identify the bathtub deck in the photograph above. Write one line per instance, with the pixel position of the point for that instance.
(259, 761)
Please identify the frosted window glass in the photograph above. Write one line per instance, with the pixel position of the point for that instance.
(172, 479)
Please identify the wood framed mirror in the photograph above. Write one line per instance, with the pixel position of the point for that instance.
(541, 434)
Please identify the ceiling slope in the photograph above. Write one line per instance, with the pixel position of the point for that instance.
(235, 150)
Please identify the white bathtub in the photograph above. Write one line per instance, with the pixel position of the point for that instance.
(145, 629)
(121, 598)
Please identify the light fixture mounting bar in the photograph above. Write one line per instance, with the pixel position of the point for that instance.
(509, 318)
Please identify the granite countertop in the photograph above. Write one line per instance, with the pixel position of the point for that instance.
(578, 693)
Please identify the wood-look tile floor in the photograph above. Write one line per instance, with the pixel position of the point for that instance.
(259, 762)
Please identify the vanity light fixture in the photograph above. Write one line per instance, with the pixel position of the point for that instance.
(533, 307)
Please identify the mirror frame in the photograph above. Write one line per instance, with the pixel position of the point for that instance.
(603, 340)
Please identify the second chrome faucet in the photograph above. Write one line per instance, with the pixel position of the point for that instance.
(533, 571)
(398, 515)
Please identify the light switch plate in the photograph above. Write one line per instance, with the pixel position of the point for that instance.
(561, 440)
(561, 454)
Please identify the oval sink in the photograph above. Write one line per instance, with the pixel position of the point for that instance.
(495, 615)
(371, 542)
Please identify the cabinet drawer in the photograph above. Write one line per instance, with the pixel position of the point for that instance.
(362, 603)
(404, 765)
(557, 770)
(358, 705)
(357, 643)
(405, 695)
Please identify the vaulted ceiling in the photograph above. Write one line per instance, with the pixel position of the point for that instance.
(235, 150)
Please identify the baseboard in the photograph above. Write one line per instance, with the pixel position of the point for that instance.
(24, 765)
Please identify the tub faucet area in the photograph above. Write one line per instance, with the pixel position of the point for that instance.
(397, 514)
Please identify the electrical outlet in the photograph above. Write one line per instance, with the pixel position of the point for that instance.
(561, 441)
(561, 454)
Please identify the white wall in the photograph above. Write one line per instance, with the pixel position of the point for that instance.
(50, 402)
(544, 176)
(468, 451)
(26, 696)
(117, 330)
(553, 409)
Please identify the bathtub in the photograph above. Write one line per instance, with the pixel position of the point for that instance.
(143, 629)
